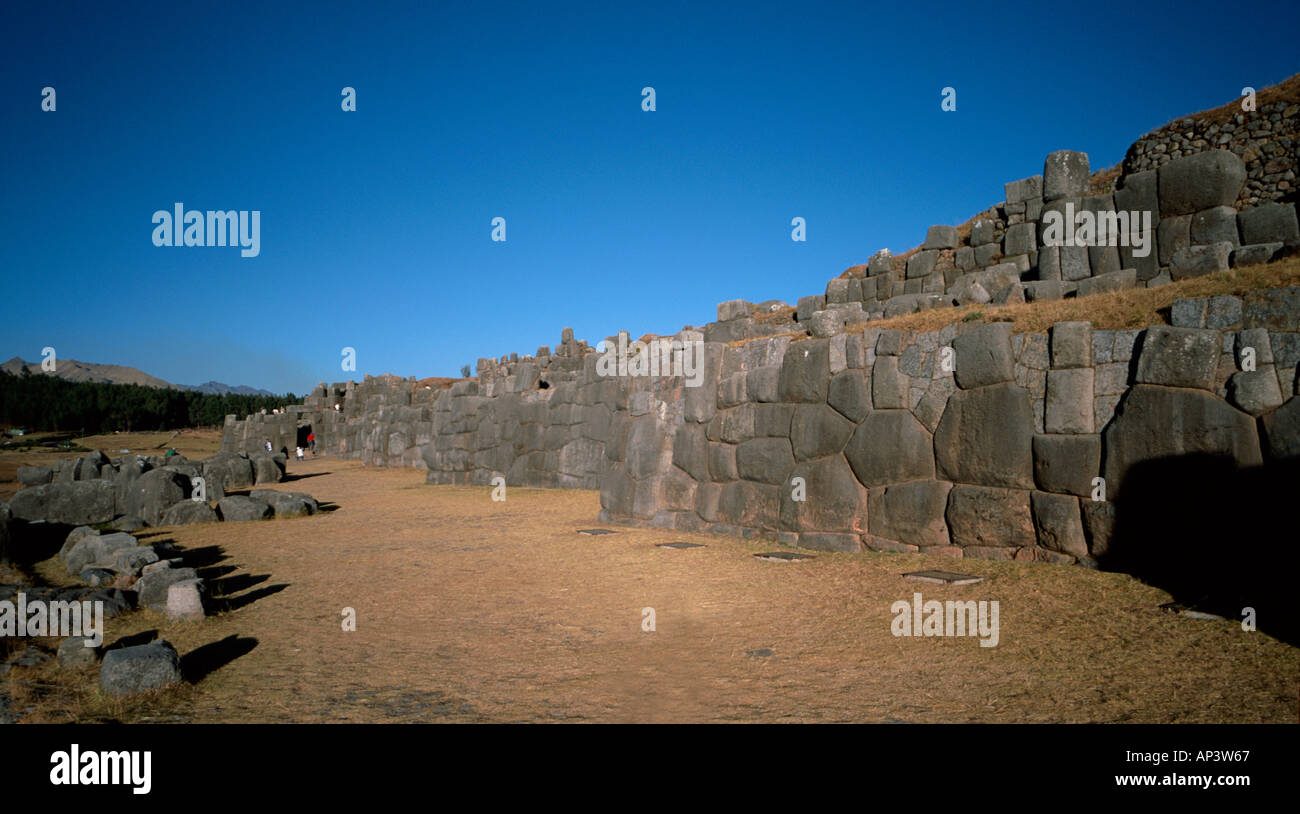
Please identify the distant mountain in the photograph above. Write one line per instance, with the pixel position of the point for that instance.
(75, 371)
(221, 389)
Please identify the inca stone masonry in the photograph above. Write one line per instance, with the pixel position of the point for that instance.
(968, 441)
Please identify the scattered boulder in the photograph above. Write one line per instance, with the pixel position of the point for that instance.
(240, 509)
(290, 504)
(35, 475)
(96, 549)
(266, 469)
(185, 600)
(152, 493)
(187, 512)
(131, 670)
(77, 651)
(151, 588)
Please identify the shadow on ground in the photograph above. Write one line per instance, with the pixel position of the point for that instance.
(1217, 537)
(203, 661)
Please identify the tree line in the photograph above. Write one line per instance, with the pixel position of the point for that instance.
(43, 402)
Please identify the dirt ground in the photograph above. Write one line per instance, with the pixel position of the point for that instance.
(473, 610)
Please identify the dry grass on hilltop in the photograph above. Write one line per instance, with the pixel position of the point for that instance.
(1136, 308)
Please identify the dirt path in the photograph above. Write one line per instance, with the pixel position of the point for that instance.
(471, 610)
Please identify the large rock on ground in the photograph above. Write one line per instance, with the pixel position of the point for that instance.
(35, 475)
(1161, 422)
(985, 437)
(153, 492)
(231, 471)
(131, 670)
(151, 587)
(71, 502)
(287, 504)
(266, 469)
(187, 512)
(238, 509)
(95, 548)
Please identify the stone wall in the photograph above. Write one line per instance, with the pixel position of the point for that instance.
(812, 427)
(967, 441)
(1266, 141)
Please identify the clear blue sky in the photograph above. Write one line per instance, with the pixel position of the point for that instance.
(375, 225)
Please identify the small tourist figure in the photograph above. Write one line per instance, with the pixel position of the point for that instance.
(299, 453)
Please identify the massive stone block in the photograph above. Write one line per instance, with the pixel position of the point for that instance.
(1025, 189)
(1020, 239)
(1069, 407)
(911, 513)
(765, 460)
(1256, 391)
(1179, 357)
(1282, 431)
(649, 450)
(1277, 309)
(985, 437)
(805, 372)
(833, 501)
(817, 431)
(921, 264)
(1161, 422)
(890, 446)
(131, 670)
(987, 516)
(1067, 463)
(889, 386)
(983, 356)
(1215, 225)
(750, 505)
(1269, 223)
(848, 394)
(941, 237)
(1058, 523)
(1200, 181)
(1065, 175)
(1196, 261)
(1071, 344)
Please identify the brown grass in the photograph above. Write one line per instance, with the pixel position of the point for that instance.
(193, 444)
(470, 610)
(1137, 308)
(1288, 90)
